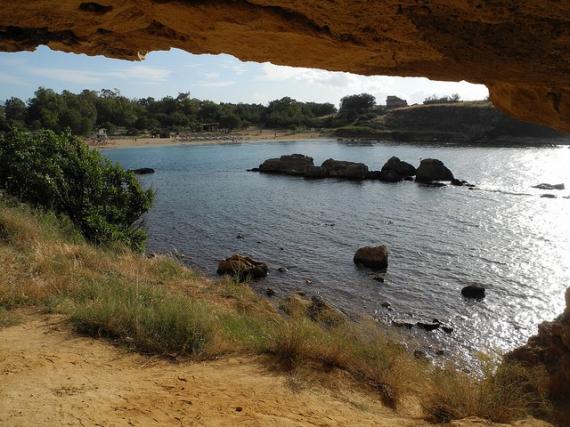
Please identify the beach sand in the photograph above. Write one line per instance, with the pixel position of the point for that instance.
(235, 137)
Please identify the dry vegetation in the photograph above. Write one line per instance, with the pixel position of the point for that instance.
(156, 305)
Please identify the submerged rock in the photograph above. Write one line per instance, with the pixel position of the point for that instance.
(545, 186)
(242, 267)
(403, 169)
(428, 326)
(473, 291)
(548, 196)
(341, 169)
(142, 171)
(402, 323)
(292, 164)
(433, 170)
(372, 256)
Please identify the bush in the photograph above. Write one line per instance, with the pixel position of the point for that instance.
(60, 173)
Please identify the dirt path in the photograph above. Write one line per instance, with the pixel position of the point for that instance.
(51, 377)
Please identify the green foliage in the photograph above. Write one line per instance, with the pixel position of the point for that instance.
(353, 105)
(87, 111)
(60, 173)
(434, 99)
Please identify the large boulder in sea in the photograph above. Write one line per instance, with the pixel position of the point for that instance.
(341, 169)
(375, 257)
(242, 267)
(291, 164)
(400, 167)
(389, 175)
(433, 170)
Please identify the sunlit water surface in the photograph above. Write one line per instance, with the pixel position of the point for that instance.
(502, 236)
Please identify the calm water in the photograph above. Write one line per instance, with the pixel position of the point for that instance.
(502, 236)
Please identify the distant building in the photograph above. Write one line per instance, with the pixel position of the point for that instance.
(395, 102)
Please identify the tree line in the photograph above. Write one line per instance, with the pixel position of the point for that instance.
(85, 112)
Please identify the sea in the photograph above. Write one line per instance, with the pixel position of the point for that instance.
(501, 235)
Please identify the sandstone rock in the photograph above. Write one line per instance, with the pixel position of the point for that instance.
(550, 349)
(473, 291)
(402, 168)
(527, 75)
(545, 186)
(292, 164)
(433, 170)
(242, 267)
(341, 169)
(372, 256)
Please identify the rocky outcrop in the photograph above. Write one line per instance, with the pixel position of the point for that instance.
(242, 267)
(347, 170)
(550, 348)
(293, 164)
(400, 167)
(315, 308)
(375, 257)
(433, 170)
(520, 50)
(527, 75)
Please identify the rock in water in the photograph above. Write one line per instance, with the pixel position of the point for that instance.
(473, 291)
(242, 267)
(372, 256)
(400, 167)
(341, 169)
(292, 164)
(545, 186)
(433, 170)
(142, 171)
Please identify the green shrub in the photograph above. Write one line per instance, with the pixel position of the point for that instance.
(60, 173)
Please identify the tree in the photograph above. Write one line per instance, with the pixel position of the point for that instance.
(230, 121)
(15, 110)
(61, 173)
(357, 103)
(446, 99)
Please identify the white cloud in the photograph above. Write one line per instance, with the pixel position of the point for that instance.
(221, 83)
(138, 73)
(12, 80)
(414, 89)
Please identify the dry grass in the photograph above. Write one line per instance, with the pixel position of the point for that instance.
(159, 306)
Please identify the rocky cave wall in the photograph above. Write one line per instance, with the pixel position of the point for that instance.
(519, 49)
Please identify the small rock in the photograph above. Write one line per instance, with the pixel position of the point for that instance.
(378, 279)
(428, 326)
(420, 354)
(142, 171)
(548, 196)
(259, 242)
(253, 170)
(281, 249)
(545, 186)
(401, 323)
(447, 329)
(243, 267)
(308, 282)
(473, 291)
(282, 270)
(239, 409)
(239, 236)
(386, 304)
(269, 292)
(439, 352)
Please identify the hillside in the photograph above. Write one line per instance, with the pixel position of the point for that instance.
(233, 349)
(476, 122)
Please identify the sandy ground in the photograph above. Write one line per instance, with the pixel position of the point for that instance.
(51, 377)
(233, 138)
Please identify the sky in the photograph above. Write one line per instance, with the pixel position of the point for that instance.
(220, 78)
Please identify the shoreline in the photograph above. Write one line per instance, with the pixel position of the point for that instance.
(227, 139)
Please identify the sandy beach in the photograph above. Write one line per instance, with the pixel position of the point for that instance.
(211, 139)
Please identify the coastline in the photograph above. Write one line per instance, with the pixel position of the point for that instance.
(232, 138)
